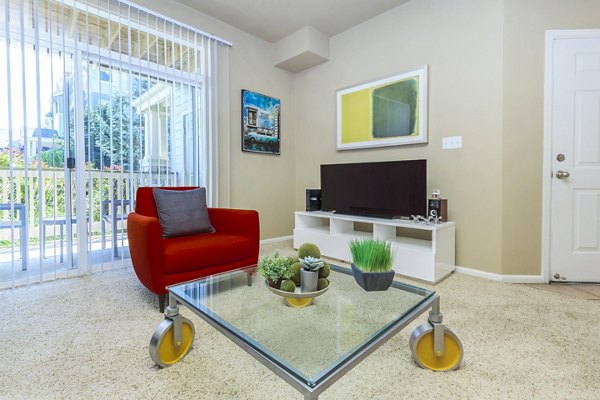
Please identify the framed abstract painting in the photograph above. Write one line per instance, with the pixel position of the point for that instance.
(386, 112)
(260, 123)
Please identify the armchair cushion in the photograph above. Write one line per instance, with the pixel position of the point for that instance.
(187, 253)
(182, 212)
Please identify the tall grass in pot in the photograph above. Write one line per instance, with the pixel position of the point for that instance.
(372, 263)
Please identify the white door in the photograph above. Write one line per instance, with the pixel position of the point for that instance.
(575, 155)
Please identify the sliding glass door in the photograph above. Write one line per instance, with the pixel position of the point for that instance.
(36, 186)
(139, 131)
(101, 98)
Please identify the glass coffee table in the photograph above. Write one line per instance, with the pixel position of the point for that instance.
(310, 347)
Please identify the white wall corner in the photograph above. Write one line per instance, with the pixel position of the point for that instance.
(302, 49)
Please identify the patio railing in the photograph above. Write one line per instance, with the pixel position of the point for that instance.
(101, 186)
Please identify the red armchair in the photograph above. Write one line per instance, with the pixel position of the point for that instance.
(159, 262)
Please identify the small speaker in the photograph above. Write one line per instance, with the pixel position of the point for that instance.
(438, 208)
(313, 199)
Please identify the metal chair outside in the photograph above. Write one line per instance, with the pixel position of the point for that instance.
(113, 217)
(21, 224)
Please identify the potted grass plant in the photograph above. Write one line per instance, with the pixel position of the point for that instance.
(372, 264)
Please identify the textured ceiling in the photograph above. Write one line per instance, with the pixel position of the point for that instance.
(273, 20)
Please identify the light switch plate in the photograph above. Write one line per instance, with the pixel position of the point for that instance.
(452, 142)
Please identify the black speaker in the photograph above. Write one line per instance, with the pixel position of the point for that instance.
(313, 199)
(438, 208)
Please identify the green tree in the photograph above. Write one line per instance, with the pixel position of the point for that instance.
(114, 135)
(54, 158)
(109, 144)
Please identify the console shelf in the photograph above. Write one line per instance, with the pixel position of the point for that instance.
(424, 252)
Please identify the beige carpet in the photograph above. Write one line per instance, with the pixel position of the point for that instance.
(87, 338)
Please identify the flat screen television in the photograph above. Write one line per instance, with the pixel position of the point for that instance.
(390, 189)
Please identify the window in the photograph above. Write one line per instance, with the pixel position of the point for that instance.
(102, 97)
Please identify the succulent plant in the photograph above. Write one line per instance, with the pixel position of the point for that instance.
(288, 286)
(322, 283)
(309, 249)
(311, 263)
(325, 270)
(296, 267)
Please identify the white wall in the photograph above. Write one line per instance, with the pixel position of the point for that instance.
(461, 41)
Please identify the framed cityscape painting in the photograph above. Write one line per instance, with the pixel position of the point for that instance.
(260, 123)
(386, 112)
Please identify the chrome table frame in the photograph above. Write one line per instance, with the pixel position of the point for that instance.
(312, 392)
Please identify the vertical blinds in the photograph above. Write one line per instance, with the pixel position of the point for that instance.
(101, 97)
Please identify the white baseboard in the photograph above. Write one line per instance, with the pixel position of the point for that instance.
(276, 239)
(501, 278)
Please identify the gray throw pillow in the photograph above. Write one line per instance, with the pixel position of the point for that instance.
(182, 212)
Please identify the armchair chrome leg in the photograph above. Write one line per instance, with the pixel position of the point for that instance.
(249, 277)
(161, 302)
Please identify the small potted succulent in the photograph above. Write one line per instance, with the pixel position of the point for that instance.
(372, 264)
(310, 273)
(275, 269)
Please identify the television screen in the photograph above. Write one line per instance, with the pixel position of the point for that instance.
(378, 189)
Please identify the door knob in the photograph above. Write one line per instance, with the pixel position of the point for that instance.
(562, 174)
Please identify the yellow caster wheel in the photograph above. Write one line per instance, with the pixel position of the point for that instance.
(421, 346)
(163, 351)
(299, 302)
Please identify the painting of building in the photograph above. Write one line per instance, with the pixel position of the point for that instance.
(260, 123)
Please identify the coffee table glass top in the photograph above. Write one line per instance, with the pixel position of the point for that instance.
(309, 342)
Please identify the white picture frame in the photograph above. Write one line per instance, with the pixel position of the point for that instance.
(390, 111)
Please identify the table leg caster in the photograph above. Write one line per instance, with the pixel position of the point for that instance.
(446, 355)
(169, 343)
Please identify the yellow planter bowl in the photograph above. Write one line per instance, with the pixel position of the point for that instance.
(297, 299)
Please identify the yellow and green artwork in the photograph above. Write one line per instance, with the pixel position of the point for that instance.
(386, 112)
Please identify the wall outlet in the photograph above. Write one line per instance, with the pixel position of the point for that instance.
(452, 142)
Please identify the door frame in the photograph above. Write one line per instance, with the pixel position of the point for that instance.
(80, 182)
(551, 37)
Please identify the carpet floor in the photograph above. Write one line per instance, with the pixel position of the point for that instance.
(87, 338)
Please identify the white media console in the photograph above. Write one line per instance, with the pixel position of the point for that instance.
(424, 252)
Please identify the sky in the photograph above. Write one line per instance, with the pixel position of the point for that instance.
(48, 68)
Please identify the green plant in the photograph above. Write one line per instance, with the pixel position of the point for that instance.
(5, 159)
(296, 267)
(311, 263)
(275, 267)
(288, 286)
(371, 255)
(309, 249)
(325, 270)
(322, 283)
